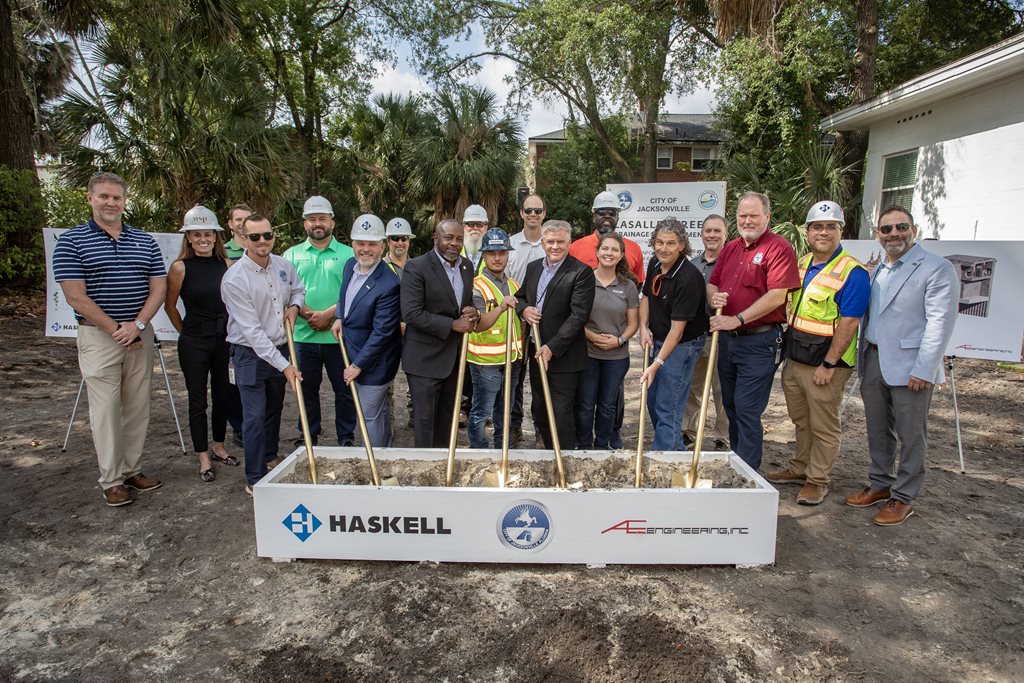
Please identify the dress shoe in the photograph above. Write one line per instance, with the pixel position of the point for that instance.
(140, 482)
(866, 498)
(893, 513)
(786, 476)
(116, 496)
(687, 441)
(516, 437)
(721, 445)
(811, 494)
(347, 443)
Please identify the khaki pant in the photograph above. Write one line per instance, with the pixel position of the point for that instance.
(118, 380)
(691, 416)
(814, 410)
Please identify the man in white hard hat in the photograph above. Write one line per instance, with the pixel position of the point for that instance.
(320, 262)
(821, 350)
(605, 217)
(399, 234)
(475, 222)
(114, 305)
(914, 303)
(367, 320)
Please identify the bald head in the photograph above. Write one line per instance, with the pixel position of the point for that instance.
(448, 237)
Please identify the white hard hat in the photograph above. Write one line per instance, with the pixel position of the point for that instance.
(317, 204)
(398, 226)
(200, 218)
(475, 214)
(605, 200)
(368, 228)
(826, 211)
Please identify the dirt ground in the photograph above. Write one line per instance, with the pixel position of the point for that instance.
(170, 588)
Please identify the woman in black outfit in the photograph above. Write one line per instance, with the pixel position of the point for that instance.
(202, 346)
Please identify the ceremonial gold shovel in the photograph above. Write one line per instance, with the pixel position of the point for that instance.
(690, 480)
(289, 329)
(500, 478)
(374, 474)
(454, 437)
(542, 366)
(643, 421)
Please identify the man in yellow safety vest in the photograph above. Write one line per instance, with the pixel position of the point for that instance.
(494, 297)
(821, 350)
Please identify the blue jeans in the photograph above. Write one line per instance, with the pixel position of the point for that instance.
(313, 360)
(746, 367)
(261, 387)
(488, 381)
(666, 398)
(598, 397)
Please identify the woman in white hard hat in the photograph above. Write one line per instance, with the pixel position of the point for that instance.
(202, 347)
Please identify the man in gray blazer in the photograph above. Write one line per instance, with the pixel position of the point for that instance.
(914, 301)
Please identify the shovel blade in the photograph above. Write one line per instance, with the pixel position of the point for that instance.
(682, 481)
(492, 478)
(390, 481)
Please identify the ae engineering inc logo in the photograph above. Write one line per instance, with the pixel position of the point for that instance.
(638, 527)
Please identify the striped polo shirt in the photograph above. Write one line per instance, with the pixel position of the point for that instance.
(116, 272)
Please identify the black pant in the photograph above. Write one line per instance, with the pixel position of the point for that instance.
(433, 403)
(202, 357)
(563, 387)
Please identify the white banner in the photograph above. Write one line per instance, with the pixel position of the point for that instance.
(60, 317)
(990, 325)
(642, 205)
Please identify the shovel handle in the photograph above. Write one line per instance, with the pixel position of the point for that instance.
(374, 474)
(704, 394)
(542, 366)
(289, 328)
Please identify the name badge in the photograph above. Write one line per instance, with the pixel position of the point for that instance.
(758, 257)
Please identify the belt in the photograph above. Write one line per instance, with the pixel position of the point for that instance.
(85, 322)
(744, 331)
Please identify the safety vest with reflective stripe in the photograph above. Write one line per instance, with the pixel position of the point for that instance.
(488, 347)
(817, 311)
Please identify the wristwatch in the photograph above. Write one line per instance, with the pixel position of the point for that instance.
(830, 366)
(141, 325)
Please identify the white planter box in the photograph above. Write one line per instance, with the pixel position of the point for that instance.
(595, 526)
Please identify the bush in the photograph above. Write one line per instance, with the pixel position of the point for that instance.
(22, 215)
(65, 206)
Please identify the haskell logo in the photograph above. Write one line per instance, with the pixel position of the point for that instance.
(708, 199)
(625, 200)
(55, 327)
(525, 526)
(301, 522)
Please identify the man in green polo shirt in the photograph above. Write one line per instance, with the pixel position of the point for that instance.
(320, 262)
(236, 215)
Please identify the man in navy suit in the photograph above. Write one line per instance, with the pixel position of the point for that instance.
(368, 321)
(437, 307)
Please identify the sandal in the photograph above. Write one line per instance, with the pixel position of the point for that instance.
(230, 460)
(207, 475)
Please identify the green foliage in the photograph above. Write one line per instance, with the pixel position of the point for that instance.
(21, 220)
(66, 206)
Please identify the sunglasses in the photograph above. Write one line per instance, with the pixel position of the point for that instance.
(534, 211)
(607, 213)
(898, 227)
(257, 236)
(399, 238)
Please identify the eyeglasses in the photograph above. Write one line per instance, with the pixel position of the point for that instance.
(257, 236)
(399, 238)
(607, 213)
(899, 227)
(530, 209)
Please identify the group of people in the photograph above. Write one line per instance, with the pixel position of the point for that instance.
(566, 308)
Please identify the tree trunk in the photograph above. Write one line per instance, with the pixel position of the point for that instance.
(15, 109)
(856, 142)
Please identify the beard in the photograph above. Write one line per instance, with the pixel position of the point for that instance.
(473, 242)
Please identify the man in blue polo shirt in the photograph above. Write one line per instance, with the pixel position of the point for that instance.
(113, 276)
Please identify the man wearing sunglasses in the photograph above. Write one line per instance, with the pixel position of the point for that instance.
(261, 291)
(399, 234)
(605, 217)
(910, 317)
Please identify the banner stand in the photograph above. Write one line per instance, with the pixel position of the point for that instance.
(956, 411)
(170, 397)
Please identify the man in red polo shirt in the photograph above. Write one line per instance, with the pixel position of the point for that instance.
(751, 279)
(606, 218)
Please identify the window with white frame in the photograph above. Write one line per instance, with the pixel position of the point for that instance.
(898, 178)
(664, 158)
(700, 157)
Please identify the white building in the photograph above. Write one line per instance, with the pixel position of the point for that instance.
(949, 146)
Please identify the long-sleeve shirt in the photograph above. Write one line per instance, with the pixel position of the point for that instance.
(256, 299)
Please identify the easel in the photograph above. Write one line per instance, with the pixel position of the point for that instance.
(170, 397)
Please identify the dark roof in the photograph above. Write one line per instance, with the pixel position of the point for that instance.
(679, 128)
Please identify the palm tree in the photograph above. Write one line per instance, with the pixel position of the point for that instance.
(468, 154)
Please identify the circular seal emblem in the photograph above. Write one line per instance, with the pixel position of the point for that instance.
(525, 525)
(708, 199)
(625, 199)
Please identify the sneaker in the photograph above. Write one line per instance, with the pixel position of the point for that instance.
(866, 498)
(721, 445)
(811, 494)
(893, 513)
(347, 443)
(687, 442)
(248, 489)
(786, 476)
(116, 496)
(140, 482)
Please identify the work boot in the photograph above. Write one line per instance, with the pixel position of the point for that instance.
(116, 496)
(786, 476)
(893, 513)
(866, 498)
(811, 494)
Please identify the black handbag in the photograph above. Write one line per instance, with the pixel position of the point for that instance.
(804, 347)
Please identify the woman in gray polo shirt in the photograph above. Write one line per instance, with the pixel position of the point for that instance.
(613, 320)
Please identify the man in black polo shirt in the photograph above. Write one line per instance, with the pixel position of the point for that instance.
(113, 276)
(674, 323)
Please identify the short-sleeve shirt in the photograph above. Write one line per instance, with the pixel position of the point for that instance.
(233, 249)
(678, 294)
(321, 271)
(608, 315)
(747, 272)
(585, 249)
(116, 272)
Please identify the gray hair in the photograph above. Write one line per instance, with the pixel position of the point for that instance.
(556, 226)
(763, 198)
(674, 226)
(106, 177)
